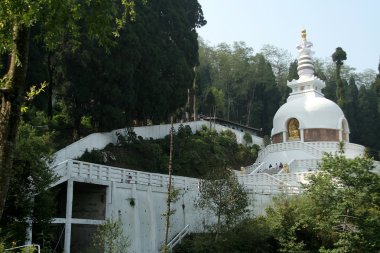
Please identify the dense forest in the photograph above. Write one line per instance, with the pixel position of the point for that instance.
(149, 76)
(236, 84)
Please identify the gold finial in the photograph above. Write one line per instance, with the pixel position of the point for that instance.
(303, 34)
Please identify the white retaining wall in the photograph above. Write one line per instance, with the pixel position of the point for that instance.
(100, 140)
(143, 221)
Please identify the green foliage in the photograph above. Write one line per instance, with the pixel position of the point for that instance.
(95, 156)
(339, 56)
(222, 194)
(246, 81)
(266, 140)
(173, 194)
(247, 138)
(194, 154)
(339, 212)
(368, 118)
(29, 185)
(144, 77)
(110, 237)
(250, 235)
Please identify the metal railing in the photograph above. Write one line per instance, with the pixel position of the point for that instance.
(178, 238)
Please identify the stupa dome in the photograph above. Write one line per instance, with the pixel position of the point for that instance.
(307, 115)
(311, 111)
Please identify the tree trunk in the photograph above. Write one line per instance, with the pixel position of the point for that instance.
(217, 226)
(188, 110)
(50, 87)
(170, 190)
(250, 105)
(11, 100)
(194, 96)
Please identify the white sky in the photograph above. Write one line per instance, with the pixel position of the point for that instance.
(353, 25)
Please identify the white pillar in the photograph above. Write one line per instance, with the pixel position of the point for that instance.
(302, 135)
(284, 137)
(29, 231)
(137, 240)
(69, 212)
(153, 221)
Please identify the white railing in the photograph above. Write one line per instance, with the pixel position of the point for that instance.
(294, 179)
(178, 238)
(250, 168)
(260, 179)
(286, 146)
(259, 168)
(84, 170)
(329, 146)
(259, 182)
(273, 189)
(29, 248)
(304, 165)
(301, 165)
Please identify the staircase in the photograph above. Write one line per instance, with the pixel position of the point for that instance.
(178, 238)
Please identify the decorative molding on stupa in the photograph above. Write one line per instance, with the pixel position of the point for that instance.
(307, 83)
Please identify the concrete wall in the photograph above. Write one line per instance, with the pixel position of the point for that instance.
(89, 201)
(141, 209)
(100, 140)
(138, 199)
(144, 222)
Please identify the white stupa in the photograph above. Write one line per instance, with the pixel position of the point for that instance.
(306, 126)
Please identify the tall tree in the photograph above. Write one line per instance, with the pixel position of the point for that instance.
(338, 57)
(280, 61)
(376, 83)
(251, 95)
(29, 187)
(221, 193)
(57, 19)
(351, 110)
(293, 73)
(368, 117)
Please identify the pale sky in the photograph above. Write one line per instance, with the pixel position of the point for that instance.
(353, 25)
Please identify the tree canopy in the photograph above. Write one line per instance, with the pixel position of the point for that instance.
(339, 212)
(83, 47)
(222, 194)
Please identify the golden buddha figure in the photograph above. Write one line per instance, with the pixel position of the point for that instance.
(293, 129)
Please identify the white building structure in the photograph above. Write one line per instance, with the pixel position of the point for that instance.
(305, 127)
(90, 193)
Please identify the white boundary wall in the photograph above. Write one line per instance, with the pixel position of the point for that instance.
(143, 222)
(100, 140)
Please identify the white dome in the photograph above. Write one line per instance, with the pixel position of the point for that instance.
(311, 110)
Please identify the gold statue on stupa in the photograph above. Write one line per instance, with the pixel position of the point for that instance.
(303, 34)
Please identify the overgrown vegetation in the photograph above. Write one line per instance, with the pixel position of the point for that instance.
(194, 154)
(339, 212)
(29, 197)
(221, 194)
(109, 237)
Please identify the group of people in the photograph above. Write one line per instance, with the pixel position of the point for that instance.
(277, 166)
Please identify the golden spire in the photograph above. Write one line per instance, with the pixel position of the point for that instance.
(303, 34)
